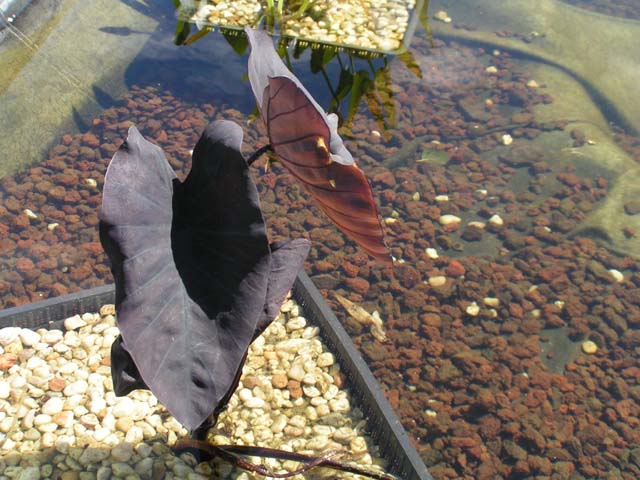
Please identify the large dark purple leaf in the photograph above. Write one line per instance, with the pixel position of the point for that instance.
(306, 140)
(191, 264)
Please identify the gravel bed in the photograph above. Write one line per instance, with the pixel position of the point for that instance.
(59, 417)
(473, 308)
(378, 25)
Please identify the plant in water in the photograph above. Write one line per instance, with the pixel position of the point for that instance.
(196, 279)
(306, 140)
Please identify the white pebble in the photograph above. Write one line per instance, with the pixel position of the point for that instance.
(325, 359)
(491, 302)
(123, 407)
(29, 213)
(53, 405)
(76, 388)
(442, 198)
(28, 337)
(74, 322)
(473, 309)
(5, 389)
(507, 139)
(432, 253)
(496, 221)
(437, 281)
(617, 275)
(491, 69)
(9, 335)
(449, 219)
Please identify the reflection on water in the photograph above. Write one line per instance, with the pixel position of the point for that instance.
(509, 200)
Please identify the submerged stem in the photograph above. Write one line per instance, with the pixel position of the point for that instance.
(258, 153)
(230, 453)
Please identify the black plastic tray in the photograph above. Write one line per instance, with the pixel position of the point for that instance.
(389, 434)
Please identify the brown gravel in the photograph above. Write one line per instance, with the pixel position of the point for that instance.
(475, 392)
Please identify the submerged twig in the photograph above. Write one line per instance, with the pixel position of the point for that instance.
(233, 453)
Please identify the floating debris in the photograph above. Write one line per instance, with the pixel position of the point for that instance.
(365, 318)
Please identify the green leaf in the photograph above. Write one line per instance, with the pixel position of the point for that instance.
(361, 83)
(320, 57)
(182, 32)
(409, 61)
(239, 43)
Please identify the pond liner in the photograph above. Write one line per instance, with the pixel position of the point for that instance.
(389, 435)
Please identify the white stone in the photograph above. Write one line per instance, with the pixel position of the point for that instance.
(491, 69)
(473, 309)
(491, 302)
(28, 473)
(442, 198)
(123, 407)
(437, 281)
(74, 322)
(28, 337)
(325, 359)
(93, 455)
(122, 452)
(476, 224)
(53, 405)
(52, 336)
(617, 275)
(296, 372)
(76, 388)
(29, 213)
(431, 253)
(9, 335)
(449, 219)
(5, 389)
(507, 139)
(255, 402)
(496, 220)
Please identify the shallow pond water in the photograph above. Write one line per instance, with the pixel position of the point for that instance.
(503, 152)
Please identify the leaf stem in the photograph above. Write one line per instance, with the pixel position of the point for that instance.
(258, 153)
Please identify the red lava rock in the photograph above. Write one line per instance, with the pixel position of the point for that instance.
(350, 270)
(358, 285)
(91, 140)
(24, 265)
(455, 269)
